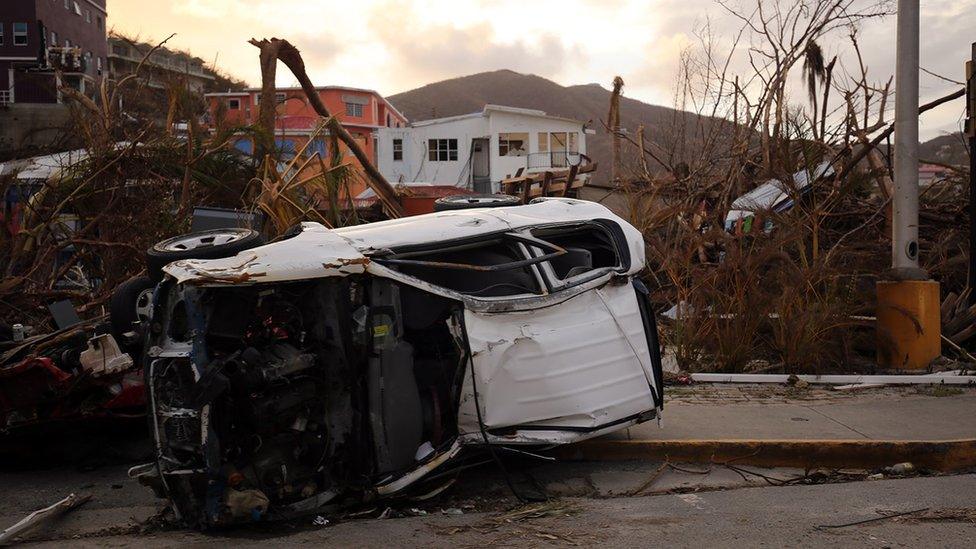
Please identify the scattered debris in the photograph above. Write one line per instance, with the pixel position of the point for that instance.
(650, 481)
(905, 468)
(875, 519)
(555, 508)
(938, 378)
(76, 372)
(42, 516)
(320, 521)
(947, 514)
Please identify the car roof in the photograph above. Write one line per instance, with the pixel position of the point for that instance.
(320, 252)
(458, 224)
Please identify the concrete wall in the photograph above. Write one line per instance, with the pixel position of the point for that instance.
(28, 126)
(416, 165)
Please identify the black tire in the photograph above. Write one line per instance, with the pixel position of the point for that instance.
(199, 245)
(130, 302)
(469, 201)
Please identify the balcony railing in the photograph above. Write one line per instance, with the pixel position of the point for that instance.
(552, 159)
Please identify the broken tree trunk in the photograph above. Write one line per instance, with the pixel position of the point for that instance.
(613, 120)
(267, 105)
(290, 56)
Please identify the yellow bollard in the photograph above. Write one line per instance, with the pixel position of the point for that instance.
(909, 326)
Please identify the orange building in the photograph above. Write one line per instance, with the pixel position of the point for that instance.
(362, 112)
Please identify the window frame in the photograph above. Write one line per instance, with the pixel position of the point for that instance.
(553, 281)
(231, 104)
(522, 240)
(355, 110)
(280, 97)
(536, 253)
(397, 149)
(508, 147)
(25, 34)
(448, 146)
(1, 33)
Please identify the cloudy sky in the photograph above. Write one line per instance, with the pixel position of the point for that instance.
(397, 45)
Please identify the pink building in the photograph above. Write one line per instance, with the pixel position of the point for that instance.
(361, 111)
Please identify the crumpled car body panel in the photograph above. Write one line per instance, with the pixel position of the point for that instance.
(576, 367)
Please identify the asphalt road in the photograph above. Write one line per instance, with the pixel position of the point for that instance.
(610, 503)
(592, 504)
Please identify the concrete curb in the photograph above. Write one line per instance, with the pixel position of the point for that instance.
(937, 455)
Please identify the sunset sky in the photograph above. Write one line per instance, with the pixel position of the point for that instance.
(393, 46)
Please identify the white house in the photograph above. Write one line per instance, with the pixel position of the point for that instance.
(480, 149)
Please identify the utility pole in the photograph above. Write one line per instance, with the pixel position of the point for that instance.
(908, 322)
(904, 238)
(971, 134)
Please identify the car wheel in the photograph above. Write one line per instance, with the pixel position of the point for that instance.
(131, 302)
(213, 244)
(469, 201)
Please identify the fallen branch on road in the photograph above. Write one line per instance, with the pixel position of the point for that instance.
(41, 516)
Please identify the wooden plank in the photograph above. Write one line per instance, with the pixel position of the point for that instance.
(557, 188)
(557, 175)
(570, 178)
(546, 182)
(526, 188)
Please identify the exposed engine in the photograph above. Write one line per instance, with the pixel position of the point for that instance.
(274, 400)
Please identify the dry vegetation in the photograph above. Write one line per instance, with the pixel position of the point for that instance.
(85, 229)
(796, 292)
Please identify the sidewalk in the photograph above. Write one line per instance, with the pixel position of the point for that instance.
(857, 417)
(771, 427)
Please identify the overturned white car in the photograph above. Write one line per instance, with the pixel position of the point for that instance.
(349, 364)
